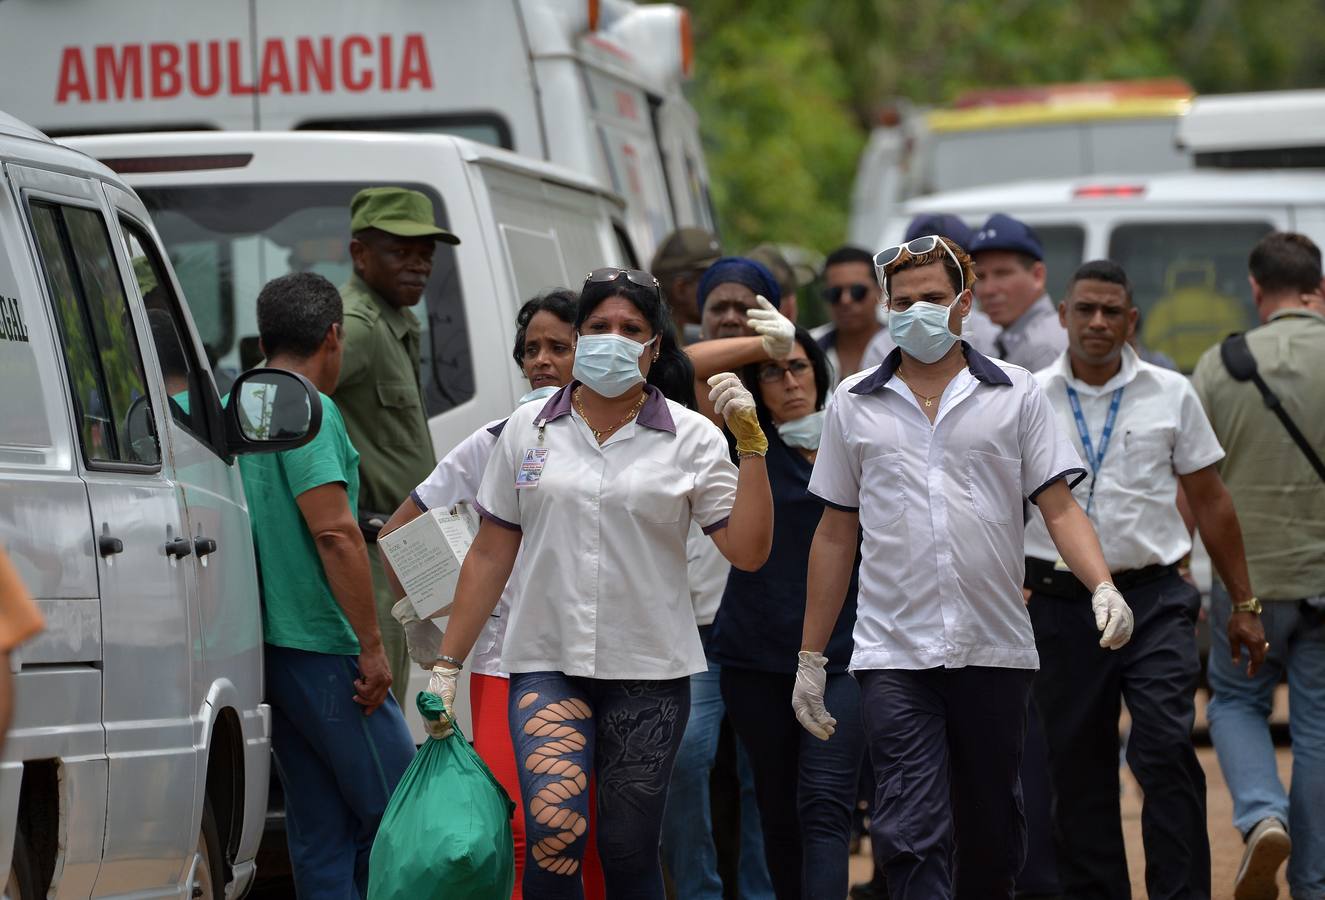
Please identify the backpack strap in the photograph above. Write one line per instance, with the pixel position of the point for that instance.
(1241, 365)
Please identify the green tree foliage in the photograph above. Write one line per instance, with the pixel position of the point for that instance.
(787, 91)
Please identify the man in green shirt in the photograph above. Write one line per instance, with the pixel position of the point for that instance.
(1280, 502)
(339, 738)
(394, 239)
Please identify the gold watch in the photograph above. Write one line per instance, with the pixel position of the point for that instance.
(1248, 606)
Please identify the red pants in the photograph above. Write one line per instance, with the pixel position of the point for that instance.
(492, 739)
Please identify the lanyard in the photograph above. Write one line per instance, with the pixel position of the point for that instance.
(1093, 459)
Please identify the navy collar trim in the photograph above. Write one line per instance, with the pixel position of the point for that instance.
(653, 414)
(982, 367)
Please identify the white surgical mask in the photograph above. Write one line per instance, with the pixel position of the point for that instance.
(803, 432)
(608, 364)
(921, 330)
(538, 394)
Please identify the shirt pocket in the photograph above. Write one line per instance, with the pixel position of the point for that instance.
(1149, 457)
(882, 499)
(994, 485)
(399, 404)
(657, 493)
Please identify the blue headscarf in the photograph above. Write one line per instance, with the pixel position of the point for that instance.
(740, 270)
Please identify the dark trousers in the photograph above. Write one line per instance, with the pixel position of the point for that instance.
(806, 788)
(1039, 875)
(946, 746)
(1078, 692)
(337, 767)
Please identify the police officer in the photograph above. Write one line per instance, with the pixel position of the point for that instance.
(681, 259)
(1141, 431)
(1010, 277)
(394, 239)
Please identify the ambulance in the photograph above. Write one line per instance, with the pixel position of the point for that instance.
(593, 86)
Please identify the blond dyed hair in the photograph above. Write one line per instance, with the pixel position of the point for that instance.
(908, 260)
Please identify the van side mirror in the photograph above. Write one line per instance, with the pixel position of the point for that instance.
(270, 410)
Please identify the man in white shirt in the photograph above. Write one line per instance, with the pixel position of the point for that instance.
(932, 456)
(1141, 431)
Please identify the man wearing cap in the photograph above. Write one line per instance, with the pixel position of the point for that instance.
(1010, 278)
(394, 239)
(680, 260)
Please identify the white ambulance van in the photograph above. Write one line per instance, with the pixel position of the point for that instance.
(592, 85)
(138, 757)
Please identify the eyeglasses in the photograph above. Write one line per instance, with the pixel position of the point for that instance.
(772, 373)
(918, 247)
(858, 292)
(608, 274)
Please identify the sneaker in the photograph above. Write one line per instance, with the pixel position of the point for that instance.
(1268, 846)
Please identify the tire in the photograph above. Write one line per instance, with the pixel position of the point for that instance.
(209, 873)
(22, 883)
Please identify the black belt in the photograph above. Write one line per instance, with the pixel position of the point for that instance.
(1043, 578)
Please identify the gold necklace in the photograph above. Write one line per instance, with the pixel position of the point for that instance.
(929, 401)
(599, 435)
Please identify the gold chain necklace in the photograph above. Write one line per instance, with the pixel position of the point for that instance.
(929, 401)
(599, 435)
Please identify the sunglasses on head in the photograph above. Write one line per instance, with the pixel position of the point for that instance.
(858, 293)
(608, 274)
(918, 247)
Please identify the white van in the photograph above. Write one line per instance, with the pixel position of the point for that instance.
(137, 761)
(594, 86)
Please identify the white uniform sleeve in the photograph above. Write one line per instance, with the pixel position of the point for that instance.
(497, 499)
(714, 490)
(457, 477)
(1196, 445)
(1046, 453)
(836, 476)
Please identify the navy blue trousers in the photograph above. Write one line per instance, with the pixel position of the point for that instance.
(1078, 692)
(337, 767)
(946, 747)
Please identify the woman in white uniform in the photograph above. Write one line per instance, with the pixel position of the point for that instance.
(599, 485)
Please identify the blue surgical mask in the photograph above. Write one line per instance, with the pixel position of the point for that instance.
(608, 364)
(538, 394)
(921, 330)
(803, 432)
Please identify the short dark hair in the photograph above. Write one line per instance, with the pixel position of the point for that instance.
(849, 254)
(1105, 270)
(1286, 261)
(559, 301)
(295, 311)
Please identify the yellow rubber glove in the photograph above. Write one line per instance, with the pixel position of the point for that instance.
(736, 405)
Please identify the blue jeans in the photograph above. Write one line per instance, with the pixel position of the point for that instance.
(806, 787)
(337, 767)
(687, 843)
(625, 733)
(1238, 712)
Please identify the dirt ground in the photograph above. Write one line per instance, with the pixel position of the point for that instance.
(1225, 842)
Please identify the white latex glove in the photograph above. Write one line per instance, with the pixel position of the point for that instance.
(776, 330)
(422, 636)
(443, 684)
(729, 395)
(1113, 616)
(807, 697)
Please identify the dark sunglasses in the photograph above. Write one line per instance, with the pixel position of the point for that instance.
(772, 372)
(608, 274)
(858, 293)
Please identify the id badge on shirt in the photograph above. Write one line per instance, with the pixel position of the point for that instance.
(531, 468)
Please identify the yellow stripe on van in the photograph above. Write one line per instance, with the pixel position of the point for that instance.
(1022, 114)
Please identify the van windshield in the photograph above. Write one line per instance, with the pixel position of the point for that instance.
(226, 241)
(1189, 280)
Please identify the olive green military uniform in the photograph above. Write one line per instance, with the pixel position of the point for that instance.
(380, 397)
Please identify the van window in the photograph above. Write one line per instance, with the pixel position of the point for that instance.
(179, 371)
(227, 241)
(1189, 279)
(1064, 246)
(101, 352)
(486, 128)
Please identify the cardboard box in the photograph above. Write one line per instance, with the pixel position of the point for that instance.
(426, 555)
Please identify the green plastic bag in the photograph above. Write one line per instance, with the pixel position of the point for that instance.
(447, 830)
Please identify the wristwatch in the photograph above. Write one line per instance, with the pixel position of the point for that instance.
(1248, 606)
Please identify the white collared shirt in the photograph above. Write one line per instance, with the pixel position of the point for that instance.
(1160, 432)
(602, 586)
(941, 511)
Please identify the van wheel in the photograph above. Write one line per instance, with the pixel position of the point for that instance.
(22, 883)
(208, 872)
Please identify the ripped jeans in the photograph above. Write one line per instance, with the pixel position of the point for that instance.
(626, 734)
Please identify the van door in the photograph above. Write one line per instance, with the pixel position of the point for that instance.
(146, 574)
